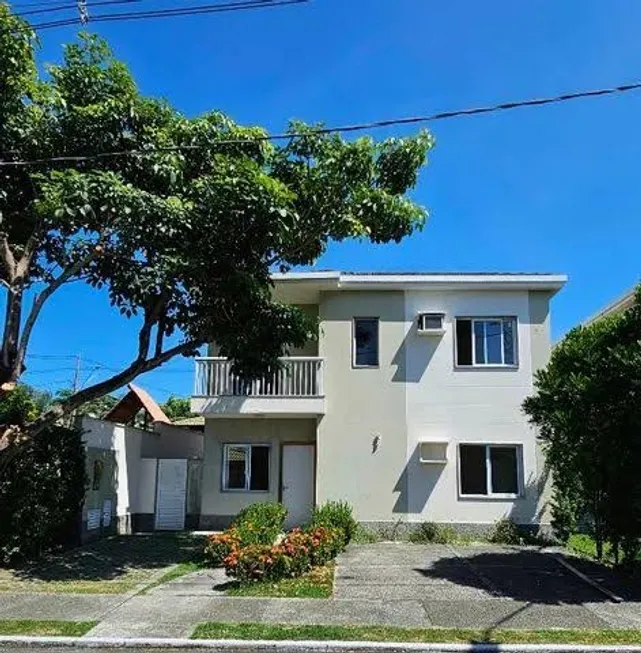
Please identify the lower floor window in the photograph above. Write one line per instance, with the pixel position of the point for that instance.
(246, 467)
(488, 469)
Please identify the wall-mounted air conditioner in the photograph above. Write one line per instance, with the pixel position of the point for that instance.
(431, 324)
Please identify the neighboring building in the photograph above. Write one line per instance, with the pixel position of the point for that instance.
(620, 305)
(408, 405)
(143, 472)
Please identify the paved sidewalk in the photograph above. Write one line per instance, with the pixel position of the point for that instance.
(382, 584)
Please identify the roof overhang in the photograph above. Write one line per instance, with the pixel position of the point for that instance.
(305, 287)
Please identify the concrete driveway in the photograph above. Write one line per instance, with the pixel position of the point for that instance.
(489, 586)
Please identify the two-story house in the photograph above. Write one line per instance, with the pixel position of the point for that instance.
(408, 404)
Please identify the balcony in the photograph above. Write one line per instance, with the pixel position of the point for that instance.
(295, 389)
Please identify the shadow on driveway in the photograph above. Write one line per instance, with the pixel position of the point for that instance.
(114, 557)
(530, 576)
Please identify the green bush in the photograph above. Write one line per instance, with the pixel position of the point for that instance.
(260, 523)
(336, 514)
(505, 531)
(41, 496)
(429, 532)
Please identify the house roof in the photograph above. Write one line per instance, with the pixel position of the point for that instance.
(196, 421)
(137, 398)
(619, 305)
(304, 287)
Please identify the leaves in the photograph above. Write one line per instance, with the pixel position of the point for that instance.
(587, 406)
(184, 233)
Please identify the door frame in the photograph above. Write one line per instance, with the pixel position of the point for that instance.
(280, 466)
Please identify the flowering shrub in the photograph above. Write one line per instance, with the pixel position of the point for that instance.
(260, 523)
(218, 547)
(298, 552)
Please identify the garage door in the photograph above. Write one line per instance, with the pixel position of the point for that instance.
(171, 494)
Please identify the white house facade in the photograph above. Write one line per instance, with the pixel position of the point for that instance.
(407, 405)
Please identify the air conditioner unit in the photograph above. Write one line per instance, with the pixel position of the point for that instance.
(431, 324)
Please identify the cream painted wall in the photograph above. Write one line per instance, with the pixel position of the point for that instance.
(248, 431)
(466, 405)
(361, 405)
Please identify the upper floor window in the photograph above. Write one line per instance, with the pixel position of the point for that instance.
(365, 349)
(486, 341)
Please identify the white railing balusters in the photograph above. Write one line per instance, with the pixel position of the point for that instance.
(297, 377)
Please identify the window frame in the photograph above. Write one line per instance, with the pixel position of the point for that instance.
(248, 447)
(487, 318)
(356, 365)
(491, 496)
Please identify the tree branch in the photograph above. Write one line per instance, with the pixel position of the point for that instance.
(102, 388)
(40, 300)
(7, 258)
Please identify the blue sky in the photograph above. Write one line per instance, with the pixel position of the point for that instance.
(547, 189)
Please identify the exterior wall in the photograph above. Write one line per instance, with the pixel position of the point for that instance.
(363, 406)
(95, 498)
(418, 393)
(466, 405)
(131, 480)
(168, 441)
(219, 507)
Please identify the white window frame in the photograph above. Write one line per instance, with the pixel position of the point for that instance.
(378, 342)
(247, 447)
(483, 320)
(488, 470)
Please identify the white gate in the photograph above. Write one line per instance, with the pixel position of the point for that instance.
(171, 494)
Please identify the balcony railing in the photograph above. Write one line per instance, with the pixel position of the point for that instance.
(297, 377)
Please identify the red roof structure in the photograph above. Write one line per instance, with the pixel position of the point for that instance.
(130, 405)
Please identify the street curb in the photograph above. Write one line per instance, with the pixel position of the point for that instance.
(300, 646)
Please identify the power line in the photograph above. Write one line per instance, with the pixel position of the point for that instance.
(377, 124)
(241, 5)
(67, 7)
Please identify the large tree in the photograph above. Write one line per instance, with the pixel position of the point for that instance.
(182, 231)
(587, 405)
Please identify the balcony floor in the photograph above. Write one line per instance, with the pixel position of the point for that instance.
(248, 406)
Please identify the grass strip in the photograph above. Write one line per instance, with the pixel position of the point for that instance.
(45, 628)
(317, 584)
(218, 630)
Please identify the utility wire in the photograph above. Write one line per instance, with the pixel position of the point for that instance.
(192, 10)
(377, 124)
(73, 7)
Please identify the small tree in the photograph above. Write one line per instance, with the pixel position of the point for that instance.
(177, 408)
(587, 406)
(183, 231)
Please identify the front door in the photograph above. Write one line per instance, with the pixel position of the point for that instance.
(171, 494)
(298, 482)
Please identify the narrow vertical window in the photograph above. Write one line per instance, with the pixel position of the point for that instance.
(366, 341)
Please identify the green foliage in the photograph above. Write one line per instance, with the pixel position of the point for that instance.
(336, 514)
(181, 239)
(429, 532)
(177, 408)
(260, 523)
(505, 531)
(587, 407)
(94, 408)
(564, 510)
(295, 555)
(41, 496)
